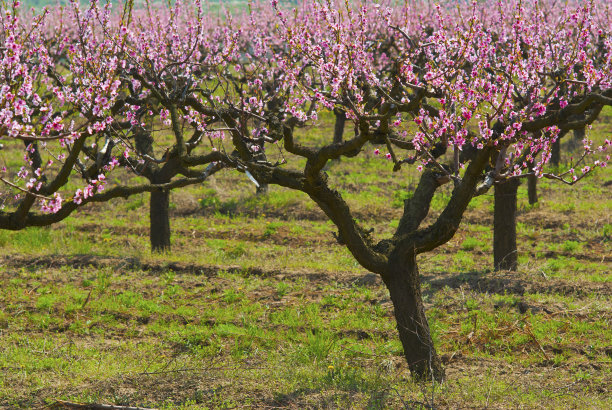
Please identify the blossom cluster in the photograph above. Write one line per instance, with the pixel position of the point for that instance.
(92, 89)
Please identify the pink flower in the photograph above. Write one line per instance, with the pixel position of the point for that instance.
(78, 197)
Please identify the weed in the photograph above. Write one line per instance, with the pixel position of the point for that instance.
(272, 228)
(572, 246)
(469, 244)
(282, 289)
(232, 296)
(606, 232)
(135, 203)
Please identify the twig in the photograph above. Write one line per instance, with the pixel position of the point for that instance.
(24, 190)
(87, 299)
(530, 333)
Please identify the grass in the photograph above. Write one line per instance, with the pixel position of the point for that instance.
(178, 339)
(258, 305)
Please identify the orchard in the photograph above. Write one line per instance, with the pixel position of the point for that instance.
(389, 123)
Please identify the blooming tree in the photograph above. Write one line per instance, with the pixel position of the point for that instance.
(488, 90)
(469, 95)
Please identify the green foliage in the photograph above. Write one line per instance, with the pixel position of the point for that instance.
(282, 288)
(272, 228)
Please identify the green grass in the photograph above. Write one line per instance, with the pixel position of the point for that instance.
(314, 340)
(258, 305)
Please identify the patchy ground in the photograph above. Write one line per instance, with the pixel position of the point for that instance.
(258, 305)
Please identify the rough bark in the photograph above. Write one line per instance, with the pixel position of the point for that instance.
(504, 226)
(404, 287)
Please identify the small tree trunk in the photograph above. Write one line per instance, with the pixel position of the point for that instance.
(160, 220)
(555, 153)
(504, 226)
(532, 189)
(576, 141)
(339, 126)
(260, 155)
(404, 287)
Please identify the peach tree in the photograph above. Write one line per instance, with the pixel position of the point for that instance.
(468, 95)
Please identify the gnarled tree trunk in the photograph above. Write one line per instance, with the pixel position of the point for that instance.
(404, 286)
(504, 226)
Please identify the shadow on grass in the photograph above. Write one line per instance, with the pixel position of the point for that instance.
(516, 283)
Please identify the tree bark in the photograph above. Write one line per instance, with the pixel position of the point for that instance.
(404, 286)
(504, 226)
(159, 220)
(532, 189)
(555, 153)
(34, 157)
(339, 125)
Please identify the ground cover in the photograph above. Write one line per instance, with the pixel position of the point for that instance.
(258, 305)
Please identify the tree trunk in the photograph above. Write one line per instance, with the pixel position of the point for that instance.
(576, 141)
(555, 153)
(504, 226)
(160, 220)
(339, 126)
(404, 286)
(34, 157)
(532, 189)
